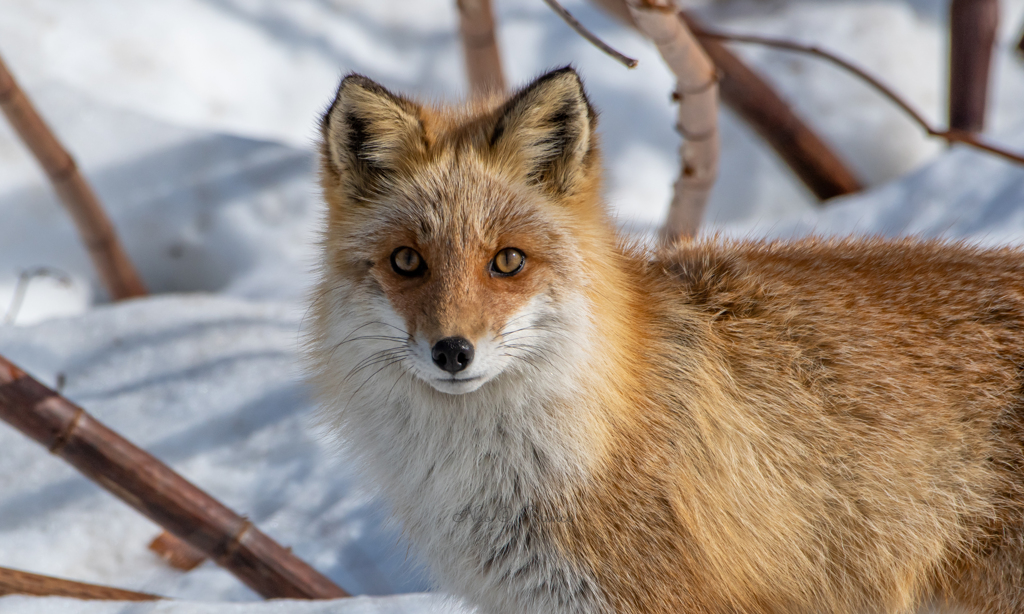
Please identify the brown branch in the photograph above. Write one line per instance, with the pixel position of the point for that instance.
(15, 582)
(111, 261)
(951, 135)
(1020, 44)
(146, 484)
(480, 47)
(972, 29)
(757, 102)
(592, 38)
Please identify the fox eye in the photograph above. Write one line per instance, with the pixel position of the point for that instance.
(508, 262)
(407, 262)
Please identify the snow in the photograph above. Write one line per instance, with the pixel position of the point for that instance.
(195, 121)
(400, 604)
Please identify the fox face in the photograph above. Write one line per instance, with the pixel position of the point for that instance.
(456, 236)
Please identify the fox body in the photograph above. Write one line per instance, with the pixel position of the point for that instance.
(566, 424)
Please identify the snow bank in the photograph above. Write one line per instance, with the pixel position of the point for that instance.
(401, 604)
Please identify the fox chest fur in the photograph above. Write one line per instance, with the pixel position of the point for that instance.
(563, 424)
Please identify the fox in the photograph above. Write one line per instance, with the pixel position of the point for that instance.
(564, 420)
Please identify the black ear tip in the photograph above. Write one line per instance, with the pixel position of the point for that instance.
(349, 83)
(354, 79)
(567, 71)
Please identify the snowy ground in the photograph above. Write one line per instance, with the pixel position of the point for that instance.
(195, 121)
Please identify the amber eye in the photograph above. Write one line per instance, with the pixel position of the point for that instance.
(508, 262)
(407, 262)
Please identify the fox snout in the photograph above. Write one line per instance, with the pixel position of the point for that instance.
(452, 354)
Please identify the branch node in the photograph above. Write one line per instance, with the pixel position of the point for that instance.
(67, 433)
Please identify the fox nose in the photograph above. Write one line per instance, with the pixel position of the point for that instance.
(453, 354)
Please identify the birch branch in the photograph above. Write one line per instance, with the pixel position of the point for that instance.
(15, 582)
(697, 93)
(115, 270)
(972, 33)
(146, 484)
(480, 48)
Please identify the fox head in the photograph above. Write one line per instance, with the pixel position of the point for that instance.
(459, 242)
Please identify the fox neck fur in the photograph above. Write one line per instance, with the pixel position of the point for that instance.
(722, 427)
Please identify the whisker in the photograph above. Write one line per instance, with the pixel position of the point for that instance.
(372, 375)
(375, 359)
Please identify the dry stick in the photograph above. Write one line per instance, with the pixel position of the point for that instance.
(97, 232)
(590, 36)
(972, 30)
(750, 96)
(480, 47)
(156, 491)
(697, 92)
(15, 582)
(952, 135)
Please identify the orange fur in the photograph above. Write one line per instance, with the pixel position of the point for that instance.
(774, 427)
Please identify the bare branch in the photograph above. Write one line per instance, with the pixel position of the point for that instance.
(480, 47)
(806, 153)
(972, 33)
(567, 17)
(757, 102)
(153, 489)
(697, 92)
(15, 582)
(111, 261)
(951, 135)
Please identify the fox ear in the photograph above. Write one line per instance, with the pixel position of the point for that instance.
(369, 131)
(548, 126)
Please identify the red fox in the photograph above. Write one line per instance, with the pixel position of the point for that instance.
(564, 422)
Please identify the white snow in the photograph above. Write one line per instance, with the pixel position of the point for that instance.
(195, 121)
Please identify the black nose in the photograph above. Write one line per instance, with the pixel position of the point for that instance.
(453, 354)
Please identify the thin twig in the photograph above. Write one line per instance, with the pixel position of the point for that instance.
(17, 582)
(567, 17)
(951, 135)
(21, 288)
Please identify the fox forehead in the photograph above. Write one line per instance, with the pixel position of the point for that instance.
(454, 207)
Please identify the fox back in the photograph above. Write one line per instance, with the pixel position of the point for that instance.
(564, 423)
